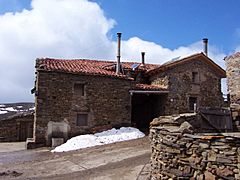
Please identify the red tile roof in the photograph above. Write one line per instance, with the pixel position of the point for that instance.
(91, 67)
(149, 87)
(107, 68)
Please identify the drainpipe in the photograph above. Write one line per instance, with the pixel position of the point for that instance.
(205, 46)
(118, 53)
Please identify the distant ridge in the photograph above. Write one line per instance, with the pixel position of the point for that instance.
(8, 110)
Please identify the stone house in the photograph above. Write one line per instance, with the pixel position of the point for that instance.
(79, 96)
(233, 82)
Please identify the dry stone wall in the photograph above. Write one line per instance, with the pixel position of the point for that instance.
(11, 129)
(179, 153)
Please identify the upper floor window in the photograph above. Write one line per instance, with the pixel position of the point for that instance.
(79, 89)
(195, 77)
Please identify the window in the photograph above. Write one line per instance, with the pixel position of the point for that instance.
(82, 119)
(195, 78)
(192, 103)
(79, 89)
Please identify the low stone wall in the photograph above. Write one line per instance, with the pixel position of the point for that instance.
(14, 128)
(8, 130)
(179, 153)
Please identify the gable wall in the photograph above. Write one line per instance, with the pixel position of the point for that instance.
(106, 101)
(181, 87)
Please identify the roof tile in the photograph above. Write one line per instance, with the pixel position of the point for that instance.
(91, 67)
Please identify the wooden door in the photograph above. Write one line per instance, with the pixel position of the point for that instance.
(25, 130)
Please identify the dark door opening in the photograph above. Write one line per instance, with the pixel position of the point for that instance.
(146, 107)
(25, 131)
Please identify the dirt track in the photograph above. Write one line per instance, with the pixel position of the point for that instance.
(124, 160)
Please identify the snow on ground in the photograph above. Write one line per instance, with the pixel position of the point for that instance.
(3, 112)
(105, 137)
(31, 109)
(2, 105)
(10, 109)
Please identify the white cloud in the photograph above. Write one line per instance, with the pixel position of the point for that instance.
(66, 29)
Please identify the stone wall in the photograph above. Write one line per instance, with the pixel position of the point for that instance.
(179, 153)
(106, 101)
(233, 82)
(206, 87)
(12, 129)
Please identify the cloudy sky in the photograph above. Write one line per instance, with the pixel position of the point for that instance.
(87, 29)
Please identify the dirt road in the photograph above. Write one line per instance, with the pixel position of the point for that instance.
(123, 160)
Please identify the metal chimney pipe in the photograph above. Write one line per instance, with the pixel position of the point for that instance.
(143, 58)
(118, 71)
(205, 46)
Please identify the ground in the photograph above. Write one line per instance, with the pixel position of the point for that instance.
(123, 160)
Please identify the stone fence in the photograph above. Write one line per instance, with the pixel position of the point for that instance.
(179, 153)
(18, 127)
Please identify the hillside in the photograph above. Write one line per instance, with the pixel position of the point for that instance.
(12, 109)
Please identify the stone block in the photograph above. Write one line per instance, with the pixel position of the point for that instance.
(57, 142)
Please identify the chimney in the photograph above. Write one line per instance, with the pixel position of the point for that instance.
(143, 58)
(118, 67)
(205, 46)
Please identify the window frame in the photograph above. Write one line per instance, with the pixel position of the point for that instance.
(195, 77)
(76, 90)
(85, 124)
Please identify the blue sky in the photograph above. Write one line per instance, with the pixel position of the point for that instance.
(164, 29)
(173, 23)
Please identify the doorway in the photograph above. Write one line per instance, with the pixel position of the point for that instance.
(25, 130)
(146, 107)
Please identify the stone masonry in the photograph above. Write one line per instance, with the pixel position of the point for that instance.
(206, 88)
(106, 101)
(179, 153)
(233, 82)
(11, 129)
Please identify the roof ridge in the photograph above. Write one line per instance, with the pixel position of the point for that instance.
(174, 63)
(92, 60)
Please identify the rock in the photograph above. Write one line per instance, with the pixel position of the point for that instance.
(209, 176)
(212, 156)
(236, 171)
(237, 176)
(186, 128)
(204, 145)
(224, 172)
(155, 122)
(222, 159)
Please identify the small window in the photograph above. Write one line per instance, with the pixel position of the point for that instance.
(79, 89)
(82, 119)
(195, 78)
(192, 103)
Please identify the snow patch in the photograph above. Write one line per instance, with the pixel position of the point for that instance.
(31, 109)
(2, 105)
(10, 109)
(105, 137)
(3, 112)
